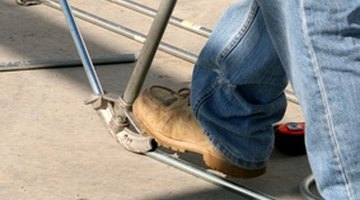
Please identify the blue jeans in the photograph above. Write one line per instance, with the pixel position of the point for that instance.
(239, 79)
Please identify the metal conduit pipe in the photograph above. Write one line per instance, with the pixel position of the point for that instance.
(196, 171)
(57, 63)
(148, 51)
(82, 50)
(170, 49)
(305, 189)
(290, 96)
(186, 24)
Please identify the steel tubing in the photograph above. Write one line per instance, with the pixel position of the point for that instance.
(201, 173)
(148, 51)
(185, 24)
(111, 26)
(57, 63)
(82, 50)
(305, 188)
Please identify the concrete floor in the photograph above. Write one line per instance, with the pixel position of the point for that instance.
(52, 146)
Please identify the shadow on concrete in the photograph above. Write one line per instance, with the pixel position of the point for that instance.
(283, 177)
(201, 195)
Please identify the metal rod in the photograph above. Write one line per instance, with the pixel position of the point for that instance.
(290, 96)
(82, 50)
(201, 173)
(186, 24)
(148, 51)
(305, 188)
(58, 63)
(111, 26)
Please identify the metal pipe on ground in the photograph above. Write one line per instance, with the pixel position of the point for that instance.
(176, 21)
(58, 63)
(201, 173)
(111, 26)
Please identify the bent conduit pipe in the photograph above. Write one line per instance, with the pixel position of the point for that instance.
(97, 89)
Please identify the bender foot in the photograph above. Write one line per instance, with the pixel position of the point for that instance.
(132, 141)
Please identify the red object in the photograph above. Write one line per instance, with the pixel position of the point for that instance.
(290, 138)
(292, 128)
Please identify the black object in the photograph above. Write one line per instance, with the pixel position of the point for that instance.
(290, 138)
(28, 2)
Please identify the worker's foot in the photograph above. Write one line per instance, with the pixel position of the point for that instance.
(166, 116)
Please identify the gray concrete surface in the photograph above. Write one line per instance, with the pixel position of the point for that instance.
(52, 146)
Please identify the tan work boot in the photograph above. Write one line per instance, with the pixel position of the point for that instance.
(166, 116)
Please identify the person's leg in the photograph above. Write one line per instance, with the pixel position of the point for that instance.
(319, 42)
(237, 87)
(237, 93)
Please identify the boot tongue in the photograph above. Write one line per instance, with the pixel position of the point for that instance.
(165, 96)
(170, 98)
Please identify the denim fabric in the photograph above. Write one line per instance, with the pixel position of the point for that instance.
(239, 78)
